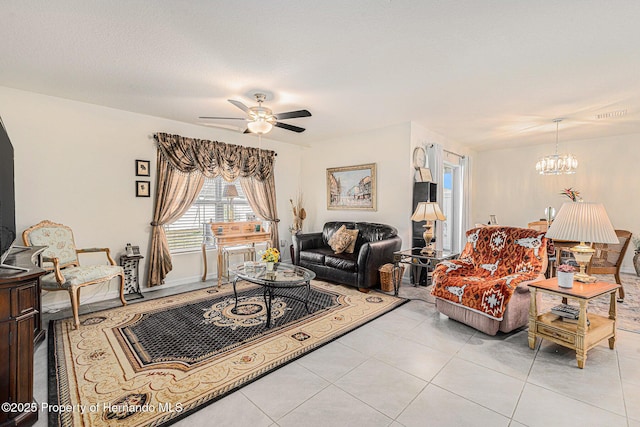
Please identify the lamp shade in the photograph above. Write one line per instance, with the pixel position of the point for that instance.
(230, 190)
(427, 211)
(583, 222)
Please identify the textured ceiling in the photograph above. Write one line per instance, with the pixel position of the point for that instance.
(482, 73)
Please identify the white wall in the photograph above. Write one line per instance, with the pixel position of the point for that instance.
(507, 185)
(389, 149)
(74, 164)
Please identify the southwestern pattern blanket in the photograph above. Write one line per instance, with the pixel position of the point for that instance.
(493, 262)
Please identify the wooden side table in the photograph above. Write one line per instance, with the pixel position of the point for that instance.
(577, 336)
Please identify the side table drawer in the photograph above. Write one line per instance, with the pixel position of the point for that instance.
(25, 298)
(558, 334)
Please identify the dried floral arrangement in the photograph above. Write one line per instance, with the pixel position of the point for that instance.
(299, 214)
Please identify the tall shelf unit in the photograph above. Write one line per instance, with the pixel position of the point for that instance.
(422, 192)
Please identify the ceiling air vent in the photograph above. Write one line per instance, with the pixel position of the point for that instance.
(611, 114)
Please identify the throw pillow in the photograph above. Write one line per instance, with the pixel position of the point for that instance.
(340, 240)
(352, 245)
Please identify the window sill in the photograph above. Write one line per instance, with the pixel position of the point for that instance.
(191, 250)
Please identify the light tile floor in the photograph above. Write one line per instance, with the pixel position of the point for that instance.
(415, 367)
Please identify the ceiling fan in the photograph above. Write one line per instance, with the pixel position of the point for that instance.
(261, 119)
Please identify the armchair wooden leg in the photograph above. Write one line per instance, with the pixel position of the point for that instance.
(122, 300)
(364, 290)
(621, 289)
(73, 294)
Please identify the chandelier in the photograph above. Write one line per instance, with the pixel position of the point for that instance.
(557, 164)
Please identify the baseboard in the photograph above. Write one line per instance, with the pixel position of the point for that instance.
(627, 270)
(182, 281)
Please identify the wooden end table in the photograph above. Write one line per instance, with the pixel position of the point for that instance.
(577, 336)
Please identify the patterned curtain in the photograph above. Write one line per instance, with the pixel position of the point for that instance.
(262, 199)
(183, 163)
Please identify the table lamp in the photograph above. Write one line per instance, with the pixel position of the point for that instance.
(583, 222)
(427, 211)
(230, 191)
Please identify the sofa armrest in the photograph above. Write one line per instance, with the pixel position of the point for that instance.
(523, 287)
(107, 252)
(454, 267)
(303, 242)
(373, 255)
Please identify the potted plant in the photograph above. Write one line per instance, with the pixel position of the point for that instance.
(271, 256)
(636, 257)
(565, 275)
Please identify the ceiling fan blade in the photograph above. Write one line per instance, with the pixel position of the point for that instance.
(292, 114)
(222, 118)
(289, 127)
(240, 105)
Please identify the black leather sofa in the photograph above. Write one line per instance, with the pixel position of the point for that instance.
(374, 247)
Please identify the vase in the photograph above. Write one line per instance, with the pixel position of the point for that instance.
(270, 266)
(565, 280)
(636, 263)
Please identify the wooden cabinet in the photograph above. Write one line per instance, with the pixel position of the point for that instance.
(20, 329)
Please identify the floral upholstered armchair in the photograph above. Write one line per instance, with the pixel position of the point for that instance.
(487, 287)
(61, 258)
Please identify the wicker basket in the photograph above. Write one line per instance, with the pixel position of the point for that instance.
(386, 276)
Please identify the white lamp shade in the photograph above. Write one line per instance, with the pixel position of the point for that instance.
(583, 222)
(427, 211)
(260, 126)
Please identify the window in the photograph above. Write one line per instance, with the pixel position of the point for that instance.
(187, 233)
(451, 192)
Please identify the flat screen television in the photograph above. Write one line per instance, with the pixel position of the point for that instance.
(7, 196)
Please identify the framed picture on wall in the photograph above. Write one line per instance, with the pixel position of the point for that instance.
(352, 187)
(142, 168)
(143, 189)
(425, 175)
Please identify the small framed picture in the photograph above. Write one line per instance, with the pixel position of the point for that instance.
(136, 250)
(143, 189)
(142, 168)
(425, 175)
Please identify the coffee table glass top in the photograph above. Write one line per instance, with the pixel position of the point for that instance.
(416, 253)
(283, 275)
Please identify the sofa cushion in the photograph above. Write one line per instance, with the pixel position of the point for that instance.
(342, 261)
(340, 240)
(315, 256)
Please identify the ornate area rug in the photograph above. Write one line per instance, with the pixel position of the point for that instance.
(628, 316)
(154, 362)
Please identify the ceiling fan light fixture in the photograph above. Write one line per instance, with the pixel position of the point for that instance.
(260, 126)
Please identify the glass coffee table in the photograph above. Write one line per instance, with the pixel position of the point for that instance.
(283, 276)
(418, 261)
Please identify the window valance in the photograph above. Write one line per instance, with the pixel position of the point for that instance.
(213, 158)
